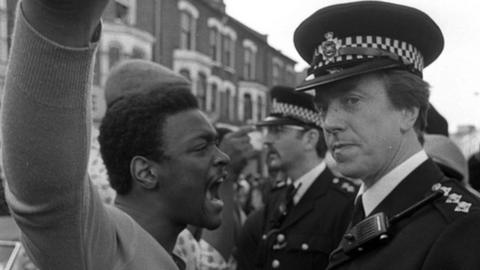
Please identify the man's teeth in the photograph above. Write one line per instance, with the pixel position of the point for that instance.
(212, 193)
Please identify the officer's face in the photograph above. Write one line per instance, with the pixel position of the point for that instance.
(283, 144)
(362, 128)
(192, 170)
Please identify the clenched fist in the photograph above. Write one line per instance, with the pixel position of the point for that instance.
(67, 22)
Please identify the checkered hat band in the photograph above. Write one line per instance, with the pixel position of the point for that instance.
(407, 52)
(289, 110)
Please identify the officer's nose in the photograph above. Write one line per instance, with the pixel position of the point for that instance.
(333, 118)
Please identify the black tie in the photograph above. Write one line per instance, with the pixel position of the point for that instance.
(291, 190)
(285, 206)
(358, 211)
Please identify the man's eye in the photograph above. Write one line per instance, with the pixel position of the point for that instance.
(351, 100)
(206, 145)
(201, 147)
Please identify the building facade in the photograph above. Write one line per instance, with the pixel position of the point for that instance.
(230, 65)
(467, 138)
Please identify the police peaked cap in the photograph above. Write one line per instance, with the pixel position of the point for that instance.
(138, 76)
(291, 108)
(345, 40)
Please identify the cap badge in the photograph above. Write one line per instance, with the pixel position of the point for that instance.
(329, 48)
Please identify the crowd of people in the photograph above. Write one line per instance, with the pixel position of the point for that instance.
(358, 176)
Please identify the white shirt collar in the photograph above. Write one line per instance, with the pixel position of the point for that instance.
(306, 180)
(372, 197)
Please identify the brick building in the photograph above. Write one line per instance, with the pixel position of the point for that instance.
(231, 66)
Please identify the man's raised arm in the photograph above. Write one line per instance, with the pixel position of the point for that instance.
(46, 128)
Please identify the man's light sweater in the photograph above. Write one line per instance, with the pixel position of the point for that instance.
(46, 134)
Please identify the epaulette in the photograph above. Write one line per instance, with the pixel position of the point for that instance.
(344, 186)
(456, 200)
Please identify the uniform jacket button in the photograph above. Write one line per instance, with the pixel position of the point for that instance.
(305, 246)
(280, 238)
(275, 264)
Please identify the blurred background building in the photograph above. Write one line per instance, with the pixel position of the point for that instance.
(231, 66)
(467, 137)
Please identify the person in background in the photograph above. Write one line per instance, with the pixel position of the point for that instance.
(304, 221)
(474, 170)
(367, 79)
(159, 149)
(436, 123)
(449, 158)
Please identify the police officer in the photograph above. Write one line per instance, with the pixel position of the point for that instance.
(366, 71)
(304, 221)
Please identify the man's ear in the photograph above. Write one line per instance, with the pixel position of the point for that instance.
(143, 172)
(408, 118)
(311, 138)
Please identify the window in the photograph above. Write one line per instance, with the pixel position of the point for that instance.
(214, 94)
(138, 53)
(114, 55)
(97, 69)
(214, 35)
(188, 17)
(259, 108)
(94, 102)
(247, 107)
(290, 78)
(202, 91)
(223, 105)
(185, 73)
(125, 11)
(121, 12)
(249, 64)
(227, 51)
(276, 77)
(186, 34)
(290, 75)
(249, 55)
(3, 33)
(225, 101)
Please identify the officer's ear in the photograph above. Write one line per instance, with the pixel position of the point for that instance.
(408, 118)
(311, 138)
(144, 172)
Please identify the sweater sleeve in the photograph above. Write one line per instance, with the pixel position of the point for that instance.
(45, 128)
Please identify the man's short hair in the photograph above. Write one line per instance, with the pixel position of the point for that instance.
(133, 125)
(406, 90)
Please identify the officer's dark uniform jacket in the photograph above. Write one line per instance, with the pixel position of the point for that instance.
(442, 234)
(306, 235)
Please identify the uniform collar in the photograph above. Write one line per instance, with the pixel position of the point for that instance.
(372, 196)
(306, 180)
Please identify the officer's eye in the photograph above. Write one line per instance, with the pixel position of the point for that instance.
(351, 100)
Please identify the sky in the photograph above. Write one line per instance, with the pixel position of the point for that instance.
(454, 76)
